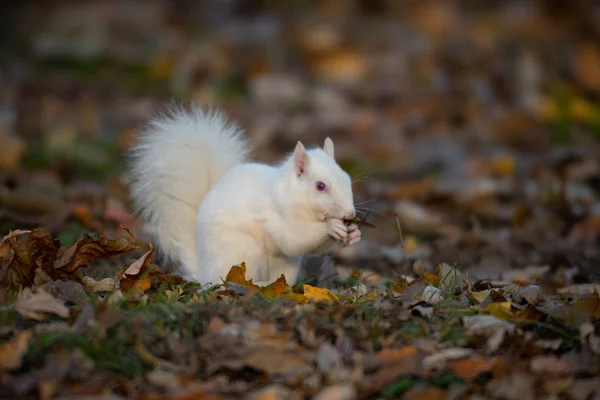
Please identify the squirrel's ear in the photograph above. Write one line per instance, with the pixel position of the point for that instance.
(300, 159)
(328, 147)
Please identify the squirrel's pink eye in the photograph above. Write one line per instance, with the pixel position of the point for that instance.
(321, 186)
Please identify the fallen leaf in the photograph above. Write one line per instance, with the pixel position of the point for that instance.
(587, 65)
(11, 352)
(270, 361)
(479, 296)
(328, 358)
(438, 360)
(397, 355)
(470, 368)
(87, 250)
(399, 362)
(11, 150)
(589, 337)
(532, 294)
(271, 392)
(431, 295)
(22, 252)
(500, 310)
(277, 288)
(237, 274)
(343, 67)
(486, 324)
(580, 290)
(136, 276)
(319, 294)
(34, 305)
(341, 391)
(588, 306)
(428, 393)
(104, 285)
(550, 366)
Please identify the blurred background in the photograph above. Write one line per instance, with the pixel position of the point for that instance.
(473, 126)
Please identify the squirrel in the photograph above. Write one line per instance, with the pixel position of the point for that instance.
(208, 208)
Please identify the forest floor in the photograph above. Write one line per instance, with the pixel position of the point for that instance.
(472, 133)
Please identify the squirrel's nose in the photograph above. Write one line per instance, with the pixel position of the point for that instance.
(350, 215)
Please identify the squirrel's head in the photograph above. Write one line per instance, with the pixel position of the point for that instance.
(321, 184)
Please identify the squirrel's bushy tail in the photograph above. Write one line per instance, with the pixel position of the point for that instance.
(179, 157)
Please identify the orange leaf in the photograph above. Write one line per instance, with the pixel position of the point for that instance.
(400, 354)
(137, 275)
(237, 274)
(469, 368)
(277, 288)
(11, 352)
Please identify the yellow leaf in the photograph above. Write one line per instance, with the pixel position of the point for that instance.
(237, 274)
(480, 296)
(277, 288)
(410, 244)
(500, 310)
(432, 278)
(503, 165)
(319, 294)
(296, 297)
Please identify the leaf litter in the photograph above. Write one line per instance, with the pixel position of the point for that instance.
(484, 148)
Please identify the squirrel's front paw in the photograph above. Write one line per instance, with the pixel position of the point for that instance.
(354, 234)
(337, 229)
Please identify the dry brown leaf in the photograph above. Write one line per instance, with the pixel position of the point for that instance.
(87, 250)
(11, 150)
(587, 66)
(428, 393)
(137, 276)
(397, 355)
(586, 231)
(104, 285)
(411, 190)
(469, 368)
(437, 361)
(589, 337)
(34, 305)
(337, 392)
(11, 352)
(550, 366)
(22, 252)
(589, 306)
(532, 294)
(580, 290)
(405, 361)
(270, 361)
(343, 67)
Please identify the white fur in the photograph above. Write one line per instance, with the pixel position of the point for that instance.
(210, 209)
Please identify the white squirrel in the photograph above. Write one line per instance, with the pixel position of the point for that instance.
(208, 208)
